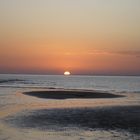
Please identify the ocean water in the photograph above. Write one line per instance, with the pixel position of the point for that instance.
(103, 83)
(30, 118)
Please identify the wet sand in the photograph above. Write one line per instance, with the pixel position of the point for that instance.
(68, 94)
(89, 118)
(105, 118)
(85, 114)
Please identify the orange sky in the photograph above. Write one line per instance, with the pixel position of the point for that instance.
(87, 37)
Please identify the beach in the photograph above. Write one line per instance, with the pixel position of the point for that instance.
(34, 113)
(68, 112)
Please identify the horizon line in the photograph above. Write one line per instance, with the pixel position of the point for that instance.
(71, 74)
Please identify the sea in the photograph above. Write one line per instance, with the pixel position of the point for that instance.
(103, 83)
(30, 118)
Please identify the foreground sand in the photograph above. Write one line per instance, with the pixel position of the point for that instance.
(108, 118)
(113, 117)
(74, 115)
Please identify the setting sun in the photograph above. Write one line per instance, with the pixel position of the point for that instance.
(66, 73)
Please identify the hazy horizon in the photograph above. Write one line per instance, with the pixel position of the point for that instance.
(72, 74)
(85, 37)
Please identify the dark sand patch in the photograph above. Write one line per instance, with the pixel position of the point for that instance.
(66, 94)
(108, 118)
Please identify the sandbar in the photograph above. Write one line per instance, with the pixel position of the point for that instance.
(69, 94)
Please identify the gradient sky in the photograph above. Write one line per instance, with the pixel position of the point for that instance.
(99, 37)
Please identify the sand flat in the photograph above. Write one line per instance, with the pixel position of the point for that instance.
(68, 94)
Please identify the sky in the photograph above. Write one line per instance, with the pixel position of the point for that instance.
(91, 37)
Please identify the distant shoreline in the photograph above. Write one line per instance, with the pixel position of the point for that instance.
(69, 94)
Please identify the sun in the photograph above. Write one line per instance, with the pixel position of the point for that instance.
(66, 73)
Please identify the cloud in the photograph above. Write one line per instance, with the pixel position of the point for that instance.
(132, 53)
(99, 52)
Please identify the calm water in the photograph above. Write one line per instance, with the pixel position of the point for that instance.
(104, 83)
